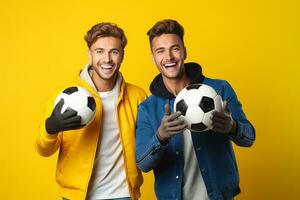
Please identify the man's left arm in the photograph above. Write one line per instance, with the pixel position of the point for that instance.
(232, 120)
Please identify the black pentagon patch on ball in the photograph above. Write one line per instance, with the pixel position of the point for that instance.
(70, 90)
(91, 103)
(193, 86)
(207, 104)
(182, 107)
(198, 127)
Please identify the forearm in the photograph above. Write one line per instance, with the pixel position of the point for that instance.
(244, 135)
(148, 156)
(47, 144)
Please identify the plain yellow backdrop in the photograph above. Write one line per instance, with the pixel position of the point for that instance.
(252, 44)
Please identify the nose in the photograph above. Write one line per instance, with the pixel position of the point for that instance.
(107, 57)
(169, 55)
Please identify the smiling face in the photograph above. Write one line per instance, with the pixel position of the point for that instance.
(169, 54)
(106, 57)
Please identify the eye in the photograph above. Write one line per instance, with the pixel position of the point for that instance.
(99, 51)
(176, 49)
(160, 51)
(115, 52)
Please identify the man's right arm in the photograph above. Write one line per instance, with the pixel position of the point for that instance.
(151, 141)
(49, 138)
(47, 144)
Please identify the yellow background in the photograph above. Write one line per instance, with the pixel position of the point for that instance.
(252, 44)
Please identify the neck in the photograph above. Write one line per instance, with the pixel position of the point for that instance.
(101, 84)
(174, 86)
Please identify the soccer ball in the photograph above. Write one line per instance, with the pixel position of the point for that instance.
(197, 102)
(79, 99)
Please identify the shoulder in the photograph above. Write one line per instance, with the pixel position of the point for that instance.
(217, 84)
(132, 87)
(149, 100)
(222, 87)
(134, 90)
(153, 102)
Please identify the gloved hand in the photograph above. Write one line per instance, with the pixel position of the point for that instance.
(170, 125)
(223, 122)
(57, 122)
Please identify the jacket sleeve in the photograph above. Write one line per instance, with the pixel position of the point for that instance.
(149, 150)
(245, 134)
(47, 144)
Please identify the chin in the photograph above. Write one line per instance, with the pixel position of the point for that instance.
(108, 77)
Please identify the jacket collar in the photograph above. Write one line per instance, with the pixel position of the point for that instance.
(85, 79)
(194, 72)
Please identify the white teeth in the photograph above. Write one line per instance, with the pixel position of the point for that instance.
(170, 64)
(106, 66)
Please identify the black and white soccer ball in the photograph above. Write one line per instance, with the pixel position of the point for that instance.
(197, 102)
(79, 99)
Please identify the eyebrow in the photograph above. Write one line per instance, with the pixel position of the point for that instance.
(114, 49)
(162, 48)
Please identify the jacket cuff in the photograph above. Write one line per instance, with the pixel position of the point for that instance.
(238, 133)
(162, 143)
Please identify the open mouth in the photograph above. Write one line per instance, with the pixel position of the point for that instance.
(106, 67)
(168, 65)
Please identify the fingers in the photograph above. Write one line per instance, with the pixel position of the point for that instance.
(219, 124)
(69, 113)
(171, 124)
(220, 117)
(225, 107)
(177, 129)
(73, 120)
(59, 105)
(219, 130)
(173, 116)
(175, 122)
(167, 109)
(220, 121)
(175, 126)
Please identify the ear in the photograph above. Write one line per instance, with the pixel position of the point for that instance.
(90, 57)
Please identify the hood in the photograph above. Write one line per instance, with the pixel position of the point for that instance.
(194, 72)
(85, 75)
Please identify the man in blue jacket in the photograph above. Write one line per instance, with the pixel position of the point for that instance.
(187, 165)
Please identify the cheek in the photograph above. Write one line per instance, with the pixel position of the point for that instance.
(96, 59)
(157, 59)
(117, 60)
(179, 55)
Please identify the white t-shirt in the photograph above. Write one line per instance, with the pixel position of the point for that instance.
(109, 178)
(193, 184)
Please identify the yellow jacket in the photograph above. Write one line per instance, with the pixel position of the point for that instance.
(77, 148)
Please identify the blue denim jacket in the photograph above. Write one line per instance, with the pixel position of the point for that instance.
(214, 151)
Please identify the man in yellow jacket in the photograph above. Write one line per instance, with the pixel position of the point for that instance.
(97, 161)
